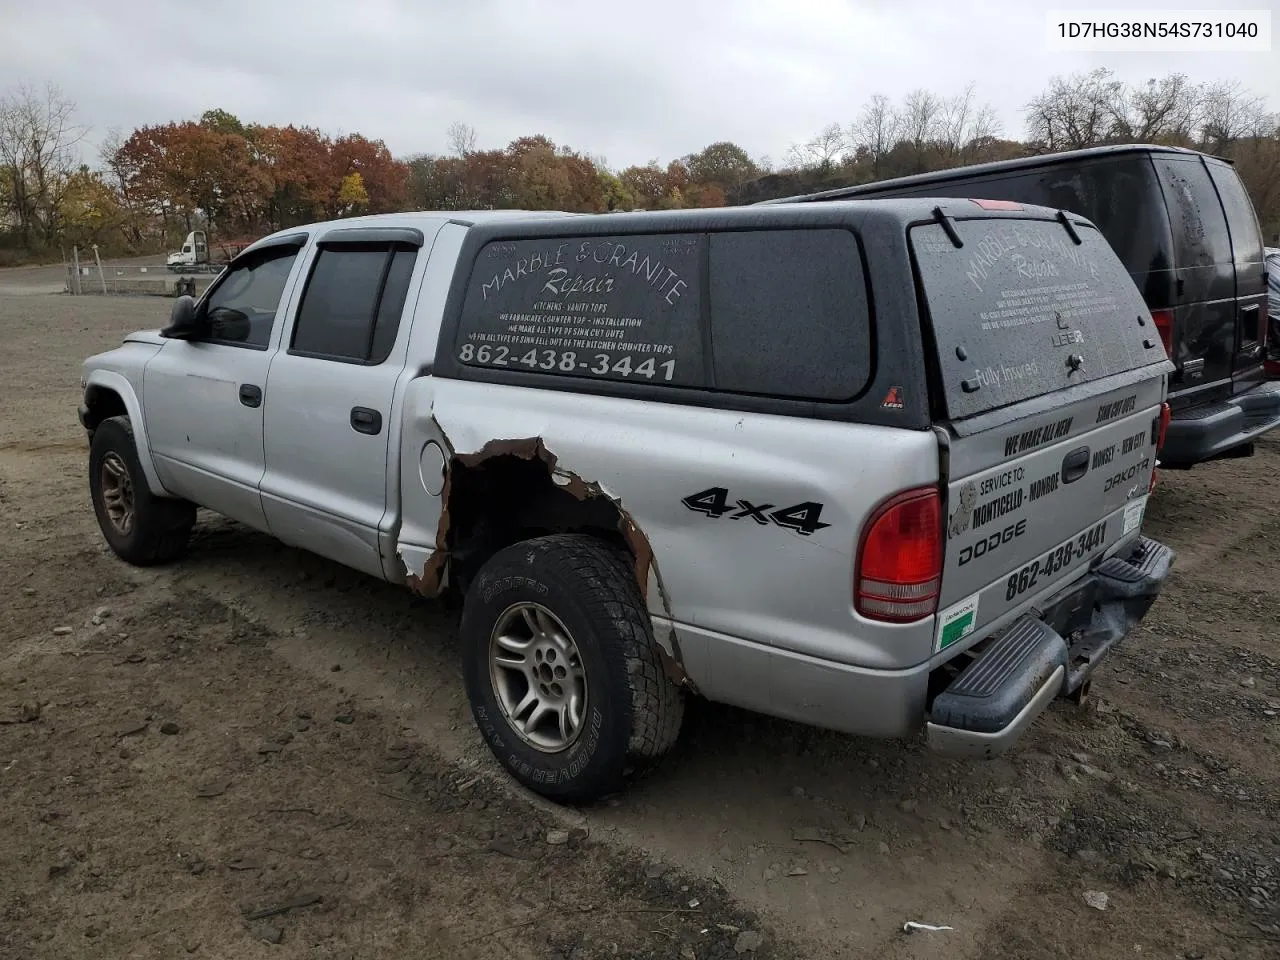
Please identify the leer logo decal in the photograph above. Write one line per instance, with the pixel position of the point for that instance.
(893, 399)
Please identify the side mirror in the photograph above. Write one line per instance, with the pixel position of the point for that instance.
(228, 324)
(183, 323)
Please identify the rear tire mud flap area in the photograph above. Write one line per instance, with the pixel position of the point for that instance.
(992, 701)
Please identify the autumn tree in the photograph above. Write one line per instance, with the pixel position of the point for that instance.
(384, 178)
(723, 164)
(616, 194)
(89, 208)
(647, 184)
(292, 172)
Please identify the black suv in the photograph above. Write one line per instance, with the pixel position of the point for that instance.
(1184, 227)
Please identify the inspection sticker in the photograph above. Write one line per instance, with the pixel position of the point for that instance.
(957, 621)
(1133, 515)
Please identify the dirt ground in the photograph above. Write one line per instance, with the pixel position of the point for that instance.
(258, 753)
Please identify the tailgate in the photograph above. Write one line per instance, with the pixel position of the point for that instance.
(1034, 503)
(1051, 379)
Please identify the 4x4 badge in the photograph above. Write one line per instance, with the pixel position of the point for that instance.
(965, 503)
(893, 399)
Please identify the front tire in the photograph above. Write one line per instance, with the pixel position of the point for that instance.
(562, 670)
(141, 528)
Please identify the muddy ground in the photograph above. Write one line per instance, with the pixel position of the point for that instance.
(258, 753)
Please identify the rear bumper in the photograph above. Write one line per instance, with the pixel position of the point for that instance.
(1202, 433)
(1015, 676)
(1097, 611)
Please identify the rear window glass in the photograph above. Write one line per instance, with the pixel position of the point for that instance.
(1200, 237)
(780, 312)
(1246, 237)
(1021, 310)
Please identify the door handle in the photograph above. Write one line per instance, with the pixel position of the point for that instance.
(1249, 317)
(364, 420)
(250, 395)
(1075, 465)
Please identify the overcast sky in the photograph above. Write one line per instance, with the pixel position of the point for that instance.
(626, 81)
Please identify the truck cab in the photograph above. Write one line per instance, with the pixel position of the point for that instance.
(195, 251)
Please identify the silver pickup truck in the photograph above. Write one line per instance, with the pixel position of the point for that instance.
(878, 466)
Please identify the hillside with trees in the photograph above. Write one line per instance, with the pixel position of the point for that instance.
(236, 177)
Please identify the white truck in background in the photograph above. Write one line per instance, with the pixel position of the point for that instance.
(194, 256)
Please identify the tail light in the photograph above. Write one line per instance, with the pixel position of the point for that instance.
(899, 565)
(1164, 324)
(1159, 427)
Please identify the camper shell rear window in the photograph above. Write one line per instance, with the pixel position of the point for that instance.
(1022, 309)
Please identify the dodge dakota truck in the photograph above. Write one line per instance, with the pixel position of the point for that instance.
(878, 466)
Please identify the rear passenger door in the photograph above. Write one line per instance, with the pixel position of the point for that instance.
(329, 394)
(1250, 270)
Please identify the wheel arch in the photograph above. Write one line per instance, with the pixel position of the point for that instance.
(514, 490)
(110, 394)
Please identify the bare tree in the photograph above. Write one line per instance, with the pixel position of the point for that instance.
(462, 138)
(1077, 111)
(921, 117)
(1164, 109)
(38, 137)
(963, 125)
(823, 150)
(1232, 113)
(876, 130)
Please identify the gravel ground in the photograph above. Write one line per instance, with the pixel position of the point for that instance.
(258, 753)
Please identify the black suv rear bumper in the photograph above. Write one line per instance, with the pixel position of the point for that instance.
(1202, 433)
(989, 704)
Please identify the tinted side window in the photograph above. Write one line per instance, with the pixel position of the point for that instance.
(789, 314)
(387, 323)
(1246, 236)
(1200, 237)
(352, 304)
(623, 308)
(242, 306)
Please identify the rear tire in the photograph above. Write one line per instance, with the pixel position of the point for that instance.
(562, 671)
(141, 528)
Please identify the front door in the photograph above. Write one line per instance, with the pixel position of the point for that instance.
(329, 398)
(203, 399)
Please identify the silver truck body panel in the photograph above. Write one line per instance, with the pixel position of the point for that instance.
(727, 576)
